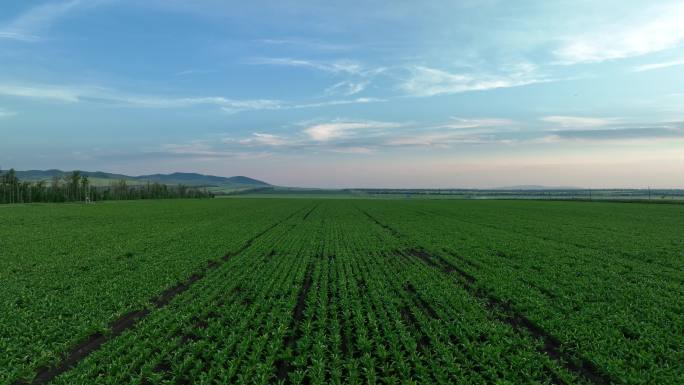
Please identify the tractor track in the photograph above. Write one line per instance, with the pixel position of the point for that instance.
(95, 341)
(551, 346)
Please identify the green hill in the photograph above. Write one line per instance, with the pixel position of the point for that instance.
(190, 179)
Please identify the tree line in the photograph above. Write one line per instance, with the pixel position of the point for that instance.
(76, 187)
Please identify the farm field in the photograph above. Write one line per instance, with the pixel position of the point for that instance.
(342, 291)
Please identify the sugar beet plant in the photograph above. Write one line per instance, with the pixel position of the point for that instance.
(355, 292)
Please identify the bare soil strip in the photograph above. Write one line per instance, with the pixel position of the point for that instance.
(82, 350)
(551, 346)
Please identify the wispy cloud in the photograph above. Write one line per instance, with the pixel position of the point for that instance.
(28, 26)
(75, 94)
(304, 43)
(194, 72)
(359, 76)
(335, 66)
(347, 88)
(339, 129)
(426, 81)
(261, 139)
(660, 29)
(607, 130)
(366, 137)
(578, 121)
(354, 150)
(6, 113)
(432, 139)
(460, 123)
(202, 149)
(656, 66)
(621, 134)
(58, 93)
(336, 103)
(225, 104)
(13, 35)
(71, 94)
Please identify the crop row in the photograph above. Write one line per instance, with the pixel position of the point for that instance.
(616, 309)
(343, 292)
(69, 271)
(326, 297)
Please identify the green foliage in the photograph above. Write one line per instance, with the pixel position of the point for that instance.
(76, 187)
(346, 291)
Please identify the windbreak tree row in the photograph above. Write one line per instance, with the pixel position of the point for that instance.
(76, 187)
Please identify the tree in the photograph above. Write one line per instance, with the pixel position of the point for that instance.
(85, 187)
(74, 184)
(10, 184)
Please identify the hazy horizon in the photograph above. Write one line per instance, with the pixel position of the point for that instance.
(470, 94)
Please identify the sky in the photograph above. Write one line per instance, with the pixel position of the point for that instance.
(348, 93)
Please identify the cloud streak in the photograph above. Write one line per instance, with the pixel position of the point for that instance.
(425, 81)
(661, 29)
(304, 43)
(47, 92)
(261, 139)
(657, 66)
(463, 123)
(334, 67)
(67, 94)
(76, 94)
(325, 132)
(347, 88)
(27, 26)
(621, 134)
(6, 113)
(373, 138)
(578, 121)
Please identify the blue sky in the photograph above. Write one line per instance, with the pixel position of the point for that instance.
(348, 94)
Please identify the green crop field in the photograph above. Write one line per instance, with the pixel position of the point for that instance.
(342, 291)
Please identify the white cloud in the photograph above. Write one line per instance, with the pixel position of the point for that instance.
(352, 136)
(226, 105)
(98, 94)
(655, 66)
(74, 94)
(660, 29)
(437, 139)
(337, 103)
(194, 72)
(18, 36)
(306, 43)
(58, 93)
(324, 132)
(425, 81)
(359, 150)
(259, 139)
(6, 113)
(27, 25)
(336, 67)
(346, 88)
(203, 149)
(641, 135)
(477, 123)
(197, 147)
(579, 121)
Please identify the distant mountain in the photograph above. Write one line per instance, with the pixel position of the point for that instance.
(192, 179)
(537, 187)
(201, 179)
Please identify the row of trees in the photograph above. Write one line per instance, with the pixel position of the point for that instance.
(75, 187)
